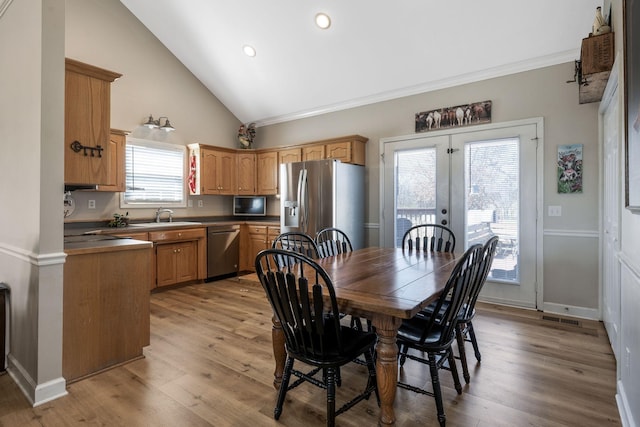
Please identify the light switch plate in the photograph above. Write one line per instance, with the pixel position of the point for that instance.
(555, 210)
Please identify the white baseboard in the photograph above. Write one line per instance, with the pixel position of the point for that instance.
(623, 407)
(36, 394)
(570, 310)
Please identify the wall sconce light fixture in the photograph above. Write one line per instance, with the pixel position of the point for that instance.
(155, 124)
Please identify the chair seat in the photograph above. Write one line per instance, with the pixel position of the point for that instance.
(411, 332)
(326, 353)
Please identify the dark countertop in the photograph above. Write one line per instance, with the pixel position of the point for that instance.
(101, 227)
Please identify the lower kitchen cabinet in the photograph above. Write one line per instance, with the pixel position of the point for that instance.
(176, 263)
(180, 255)
(255, 238)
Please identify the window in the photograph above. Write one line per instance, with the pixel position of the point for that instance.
(155, 175)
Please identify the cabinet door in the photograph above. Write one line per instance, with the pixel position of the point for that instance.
(166, 261)
(267, 169)
(257, 243)
(289, 156)
(116, 154)
(208, 162)
(340, 151)
(246, 173)
(315, 152)
(186, 261)
(226, 172)
(87, 123)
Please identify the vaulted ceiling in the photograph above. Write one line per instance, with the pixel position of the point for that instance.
(373, 51)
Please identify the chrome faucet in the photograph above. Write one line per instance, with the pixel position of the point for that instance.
(160, 211)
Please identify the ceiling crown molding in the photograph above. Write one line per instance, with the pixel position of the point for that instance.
(4, 5)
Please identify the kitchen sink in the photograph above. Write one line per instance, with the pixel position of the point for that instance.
(163, 224)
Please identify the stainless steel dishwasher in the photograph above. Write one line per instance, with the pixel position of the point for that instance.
(223, 250)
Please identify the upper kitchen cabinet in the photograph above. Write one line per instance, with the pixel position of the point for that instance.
(87, 158)
(116, 153)
(246, 177)
(349, 149)
(267, 172)
(290, 155)
(212, 170)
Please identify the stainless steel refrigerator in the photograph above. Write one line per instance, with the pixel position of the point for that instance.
(323, 193)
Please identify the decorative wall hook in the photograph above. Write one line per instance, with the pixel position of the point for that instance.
(76, 146)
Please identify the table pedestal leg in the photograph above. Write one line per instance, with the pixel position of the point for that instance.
(387, 366)
(279, 352)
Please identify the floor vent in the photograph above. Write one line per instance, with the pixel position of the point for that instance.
(561, 320)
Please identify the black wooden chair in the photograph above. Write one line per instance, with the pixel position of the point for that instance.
(304, 302)
(332, 241)
(429, 237)
(464, 327)
(434, 335)
(295, 242)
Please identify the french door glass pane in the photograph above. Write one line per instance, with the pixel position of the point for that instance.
(492, 201)
(415, 189)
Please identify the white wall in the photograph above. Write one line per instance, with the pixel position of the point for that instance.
(31, 169)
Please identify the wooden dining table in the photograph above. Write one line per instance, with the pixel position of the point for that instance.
(384, 285)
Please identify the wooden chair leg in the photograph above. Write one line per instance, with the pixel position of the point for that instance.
(371, 366)
(284, 385)
(462, 352)
(454, 371)
(331, 397)
(474, 342)
(402, 352)
(437, 393)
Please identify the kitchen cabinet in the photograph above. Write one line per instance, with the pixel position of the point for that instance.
(351, 150)
(176, 263)
(290, 155)
(87, 123)
(267, 173)
(105, 319)
(253, 239)
(180, 255)
(116, 160)
(217, 171)
(313, 152)
(246, 176)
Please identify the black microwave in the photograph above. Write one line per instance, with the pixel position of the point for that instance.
(249, 205)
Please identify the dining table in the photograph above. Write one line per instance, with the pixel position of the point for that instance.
(384, 285)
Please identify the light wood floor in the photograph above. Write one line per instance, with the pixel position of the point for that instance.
(210, 364)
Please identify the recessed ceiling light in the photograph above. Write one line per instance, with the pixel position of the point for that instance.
(249, 50)
(323, 21)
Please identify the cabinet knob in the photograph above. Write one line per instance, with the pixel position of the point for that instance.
(179, 234)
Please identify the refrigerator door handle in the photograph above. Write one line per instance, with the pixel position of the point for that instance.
(303, 194)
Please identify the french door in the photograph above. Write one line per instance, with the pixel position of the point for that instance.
(479, 182)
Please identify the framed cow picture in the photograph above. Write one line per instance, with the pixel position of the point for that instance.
(570, 168)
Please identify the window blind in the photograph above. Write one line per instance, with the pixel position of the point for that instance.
(155, 174)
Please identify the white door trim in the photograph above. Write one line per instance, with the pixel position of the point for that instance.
(539, 123)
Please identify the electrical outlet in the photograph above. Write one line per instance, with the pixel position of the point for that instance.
(92, 204)
(200, 203)
(189, 203)
(555, 210)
